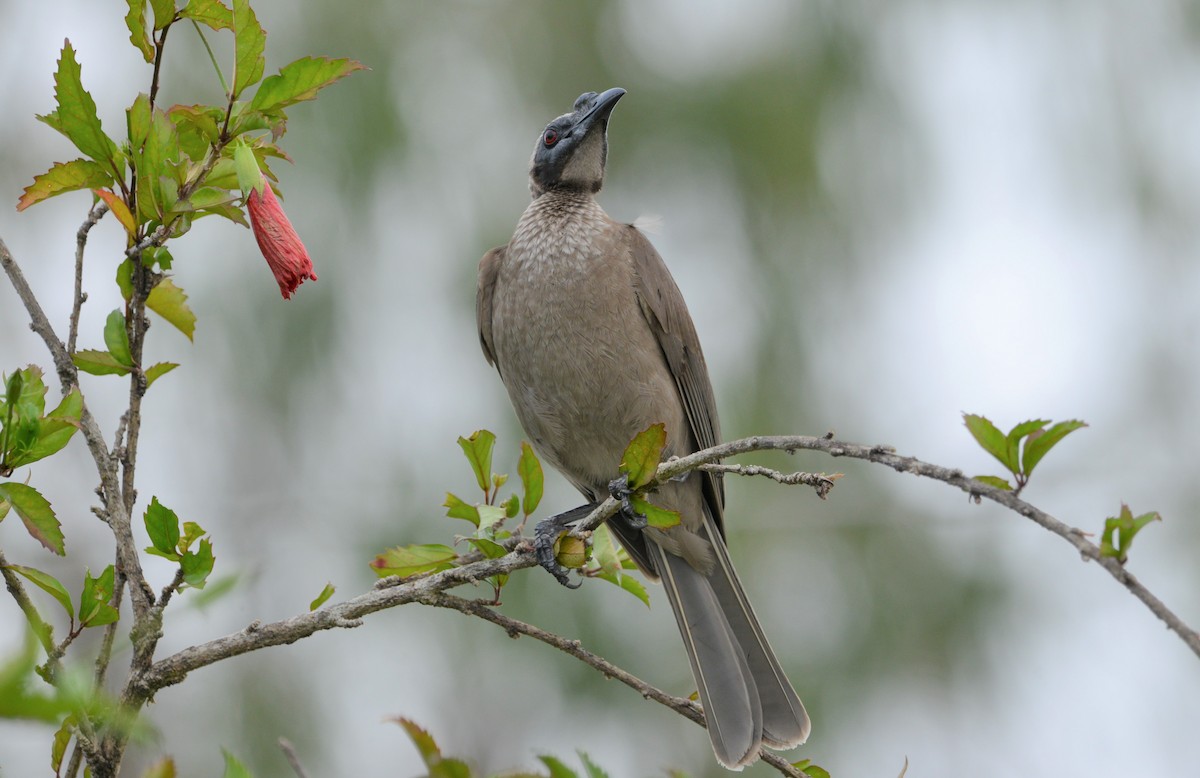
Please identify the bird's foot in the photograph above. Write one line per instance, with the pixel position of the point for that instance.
(620, 491)
(546, 533)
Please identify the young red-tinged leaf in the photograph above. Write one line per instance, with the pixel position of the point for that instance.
(323, 597)
(234, 768)
(405, 561)
(478, 450)
(65, 177)
(1037, 447)
(163, 768)
(994, 480)
(119, 209)
(511, 506)
(158, 370)
(164, 13)
(162, 525)
(301, 80)
(95, 362)
(249, 43)
(170, 302)
(191, 533)
(213, 13)
(657, 517)
(556, 767)
(35, 513)
(76, 116)
(991, 439)
(643, 454)
(135, 21)
(198, 564)
(458, 509)
(48, 584)
(117, 339)
(532, 478)
(1014, 436)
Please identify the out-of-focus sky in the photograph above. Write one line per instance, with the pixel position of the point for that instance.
(881, 214)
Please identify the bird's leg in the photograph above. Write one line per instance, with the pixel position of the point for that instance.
(620, 491)
(547, 531)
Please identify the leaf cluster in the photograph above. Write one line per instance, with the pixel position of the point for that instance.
(1021, 449)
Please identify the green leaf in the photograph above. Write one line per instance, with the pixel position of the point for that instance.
(593, 770)
(642, 455)
(1013, 438)
(427, 747)
(556, 766)
(55, 430)
(405, 561)
(159, 165)
(216, 589)
(249, 43)
(96, 362)
(163, 768)
(48, 584)
(170, 302)
(323, 597)
(191, 533)
(489, 548)
(76, 115)
(994, 480)
(158, 370)
(65, 177)
(125, 279)
(164, 13)
(62, 737)
(234, 768)
(489, 516)
(532, 479)
(991, 439)
(659, 518)
(1037, 447)
(138, 119)
(198, 564)
(213, 13)
(1119, 532)
(117, 339)
(36, 514)
(135, 20)
(478, 449)
(811, 770)
(94, 607)
(459, 509)
(635, 587)
(511, 506)
(301, 80)
(162, 525)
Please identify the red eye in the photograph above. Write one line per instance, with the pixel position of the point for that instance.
(550, 138)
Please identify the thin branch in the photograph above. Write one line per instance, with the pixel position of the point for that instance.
(94, 216)
(681, 705)
(819, 481)
(117, 516)
(289, 753)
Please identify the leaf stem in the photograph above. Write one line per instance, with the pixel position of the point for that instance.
(212, 58)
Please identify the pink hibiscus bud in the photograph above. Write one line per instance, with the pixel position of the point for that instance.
(277, 239)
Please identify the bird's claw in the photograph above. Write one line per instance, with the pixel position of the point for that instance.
(546, 533)
(620, 491)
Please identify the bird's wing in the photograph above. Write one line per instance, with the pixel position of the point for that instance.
(489, 270)
(665, 311)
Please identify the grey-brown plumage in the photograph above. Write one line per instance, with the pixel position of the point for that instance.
(594, 343)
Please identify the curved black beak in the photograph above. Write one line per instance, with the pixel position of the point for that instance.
(595, 109)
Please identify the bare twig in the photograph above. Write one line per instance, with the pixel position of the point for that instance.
(681, 705)
(819, 481)
(289, 752)
(94, 216)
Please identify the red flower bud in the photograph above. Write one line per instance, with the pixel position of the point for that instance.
(278, 241)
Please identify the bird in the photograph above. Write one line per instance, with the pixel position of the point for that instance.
(593, 342)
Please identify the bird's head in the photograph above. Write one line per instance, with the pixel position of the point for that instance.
(570, 153)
